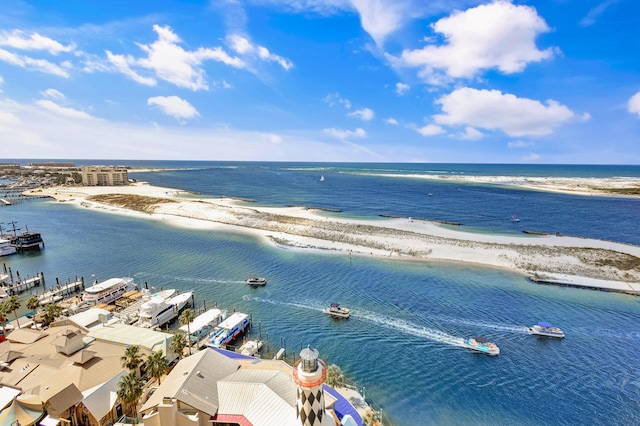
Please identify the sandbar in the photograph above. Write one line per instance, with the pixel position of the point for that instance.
(550, 259)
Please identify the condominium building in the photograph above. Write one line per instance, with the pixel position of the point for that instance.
(104, 175)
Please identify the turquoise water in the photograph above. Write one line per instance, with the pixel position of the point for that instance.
(402, 343)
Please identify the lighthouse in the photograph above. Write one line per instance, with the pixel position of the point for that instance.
(309, 373)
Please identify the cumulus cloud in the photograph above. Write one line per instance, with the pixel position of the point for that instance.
(633, 105)
(18, 40)
(174, 106)
(519, 144)
(391, 121)
(429, 130)
(63, 111)
(346, 134)
(52, 93)
(498, 35)
(402, 88)
(494, 110)
(243, 46)
(27, 62)
(471, 134)
(170, 62)
(364, 114)
(333, 99)
(380, 18)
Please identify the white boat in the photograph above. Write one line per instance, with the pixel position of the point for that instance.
(228, 330)
(6, 248)
(107, 291)
(131, 313)
(203, 324)
(158, 311)
(251, 347)
(515, 218)
(322, 178)
(337, 312)
(482, 345)
(547, 330)
(254, 280)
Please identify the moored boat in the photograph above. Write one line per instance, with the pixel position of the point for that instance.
(482, 345)
(336, 311)
(158, 311)
(251, 347)
(254, 280)
(228, 330)
(546, 330)
(107, 291)
(6, 248)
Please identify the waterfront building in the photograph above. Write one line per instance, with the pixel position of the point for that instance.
(104, 175)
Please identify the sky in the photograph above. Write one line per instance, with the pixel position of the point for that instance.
(432, 81)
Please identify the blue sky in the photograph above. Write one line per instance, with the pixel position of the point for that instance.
(548, 81)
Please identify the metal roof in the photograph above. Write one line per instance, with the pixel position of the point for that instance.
(25, 335)
(202, 320)
(100, 400)
(63, 400)
(128, 335)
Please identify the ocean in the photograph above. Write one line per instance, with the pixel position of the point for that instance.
(401, 346)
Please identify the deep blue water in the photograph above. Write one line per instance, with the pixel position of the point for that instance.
(400, 344)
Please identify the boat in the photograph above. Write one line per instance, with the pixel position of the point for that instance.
(515, 218)
(254, 280)
(202, 325)
(27, 241)
(6, 248)
(107, 291)
(547, 330)
(250, 347)
(158, 311)
(482, 345)
(337, 312)
(322, 178)
(228, 330)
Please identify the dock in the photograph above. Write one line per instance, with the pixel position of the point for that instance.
(202, 325)
(55, 294)
(12, 287)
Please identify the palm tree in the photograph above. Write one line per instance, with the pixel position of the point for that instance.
(334, 376)
(157, 365)
(3, 318)
(186, 317)
(130, 389)
(33, 303)
(51, 312)
(132, 359)
(178, 343)
(12, 304)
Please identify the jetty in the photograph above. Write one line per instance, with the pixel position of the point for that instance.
(59, 292)
(12, 287)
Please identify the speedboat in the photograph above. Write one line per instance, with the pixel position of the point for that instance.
(6, 248)
(337, 312)
(253, 280)
(251, 347)
(547, 330)
(482, 345)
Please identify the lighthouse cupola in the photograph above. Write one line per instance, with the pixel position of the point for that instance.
(309, 373)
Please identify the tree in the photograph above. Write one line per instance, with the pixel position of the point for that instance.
(186, 317)
(157, 365)
(51, 312)
(130, 389)
(12, 304)
(3, 318)
(371, 418)
(334, 377)
(178, 343)
(132, 358)
(33, 303)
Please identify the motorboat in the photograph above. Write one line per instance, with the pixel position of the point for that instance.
(547, 330)
(254, 280)
(482, 345)
(515, 218)
(158, 311)
(107, 291)
(6, 248)
(228, 330)
(336, 311)
(251, 347)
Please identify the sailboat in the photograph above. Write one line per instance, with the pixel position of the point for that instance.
(322, 178)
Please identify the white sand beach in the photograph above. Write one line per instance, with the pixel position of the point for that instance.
(550, 258)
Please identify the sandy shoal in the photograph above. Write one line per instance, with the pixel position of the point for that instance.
(551, 258)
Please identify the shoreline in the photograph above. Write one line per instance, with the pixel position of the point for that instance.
(575, 261)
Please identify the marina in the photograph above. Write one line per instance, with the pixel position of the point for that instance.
(228, 330)
(158, 311)
(202, 325)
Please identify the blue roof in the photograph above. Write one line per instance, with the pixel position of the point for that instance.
(342, 406)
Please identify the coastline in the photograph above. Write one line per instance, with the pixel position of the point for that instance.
(558, 259)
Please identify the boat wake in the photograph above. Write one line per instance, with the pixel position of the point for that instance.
(486, 325)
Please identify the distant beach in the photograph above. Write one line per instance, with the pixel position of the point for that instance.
(548, 258)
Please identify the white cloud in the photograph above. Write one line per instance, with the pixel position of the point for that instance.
(18, 40)
(429, 130)
(402, 88)
(391, 121)
(243, 46)
(594, 13)
(471, 134)
(346, 134)
(26, 62)
(634, 104)
(174, 106)
(52, 93)
(332, 99)
(519, 144)
(380, 18)
(63, 111)
(171, 63)
(498, 35)
(269, 137)
(364, 114)
(532, 157)
(493, 110)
